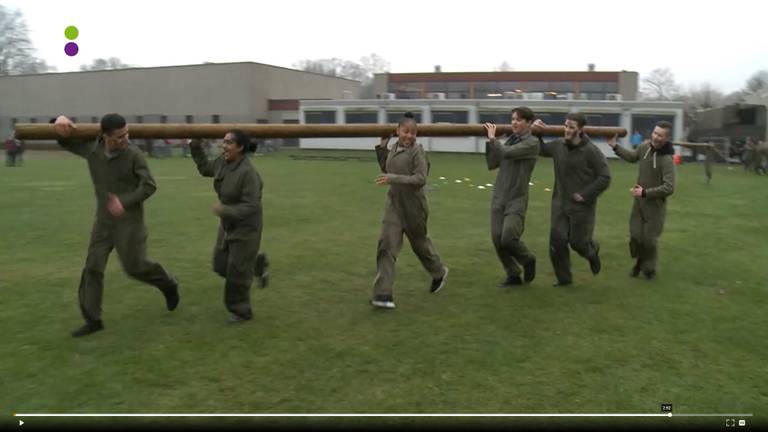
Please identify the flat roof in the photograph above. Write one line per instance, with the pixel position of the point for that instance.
(507, 76)
(178, 66)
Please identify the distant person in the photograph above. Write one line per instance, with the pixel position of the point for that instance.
(236, 255)
(12, 150)
(708, 159)
(581, 175)
(655, 182)
(122, 182)
(404, 169)
(184, 148)
(515, 159)
(636, 139)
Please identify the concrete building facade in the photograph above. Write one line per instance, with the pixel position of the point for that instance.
(206, 93)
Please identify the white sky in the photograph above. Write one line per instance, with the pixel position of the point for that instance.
(722, 42)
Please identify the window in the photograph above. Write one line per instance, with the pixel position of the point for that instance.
(352, 117)
(644, 123)
(189, 119)
(458, 86)
(163, 118)
(561, 86)
(611, 87)
(395, 116)
(599, 87)
(311, 117)
(456, 95)
(436, 87)
(408, 95)
(95, 120)
(216, 118)
(537, 86)
(445, 116)
(503, 86)
(603, 119)
(486, 87)
(498, 117)
(551, 118)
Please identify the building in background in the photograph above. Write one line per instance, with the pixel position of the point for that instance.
(206, 93)
(576, 85)
(630, 115)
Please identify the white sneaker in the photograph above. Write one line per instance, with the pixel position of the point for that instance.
(383, 302)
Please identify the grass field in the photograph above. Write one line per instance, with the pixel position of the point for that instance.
(695, 337)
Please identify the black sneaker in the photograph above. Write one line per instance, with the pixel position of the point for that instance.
(594, 264)
(562, 283)
(635, 271)
(263, 263)
(437, 284)
(650, 275)
(383, 302)
(510, 281)
(88, 328)
(172, 295)
(234, 319)
(529, 271)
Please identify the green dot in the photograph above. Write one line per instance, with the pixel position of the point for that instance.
(71, 32)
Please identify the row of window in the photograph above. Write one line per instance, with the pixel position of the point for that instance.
(452, 116)
(498, 95)
(215, 118)
(643, 123)
(492, 87)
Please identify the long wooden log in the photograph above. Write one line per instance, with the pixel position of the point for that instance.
(692, 145)
(35, 131)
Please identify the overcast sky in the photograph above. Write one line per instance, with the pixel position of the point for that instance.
(722, 43)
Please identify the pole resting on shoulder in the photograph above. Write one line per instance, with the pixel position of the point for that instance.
(35, 131)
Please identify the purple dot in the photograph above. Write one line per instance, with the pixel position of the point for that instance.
(71, 49)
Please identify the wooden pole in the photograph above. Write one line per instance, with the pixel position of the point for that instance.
(693, 145)
(35, 131)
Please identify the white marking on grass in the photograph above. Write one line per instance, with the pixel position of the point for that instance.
(481, 187)
(488, 185)
(457, 181)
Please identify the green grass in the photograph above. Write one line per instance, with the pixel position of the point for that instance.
(608, 344)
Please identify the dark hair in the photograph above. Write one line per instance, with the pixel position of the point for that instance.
(524, 112)
(111, 123)
(664, 125)
(579, 118)
(407, 117)
(242, 140)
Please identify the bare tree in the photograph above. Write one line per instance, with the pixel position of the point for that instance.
(703, 96)
(105, 64)
(361, 71)
(17, 54)
(757, 82)
(660, 85)
(503, 67)
(374, 64)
